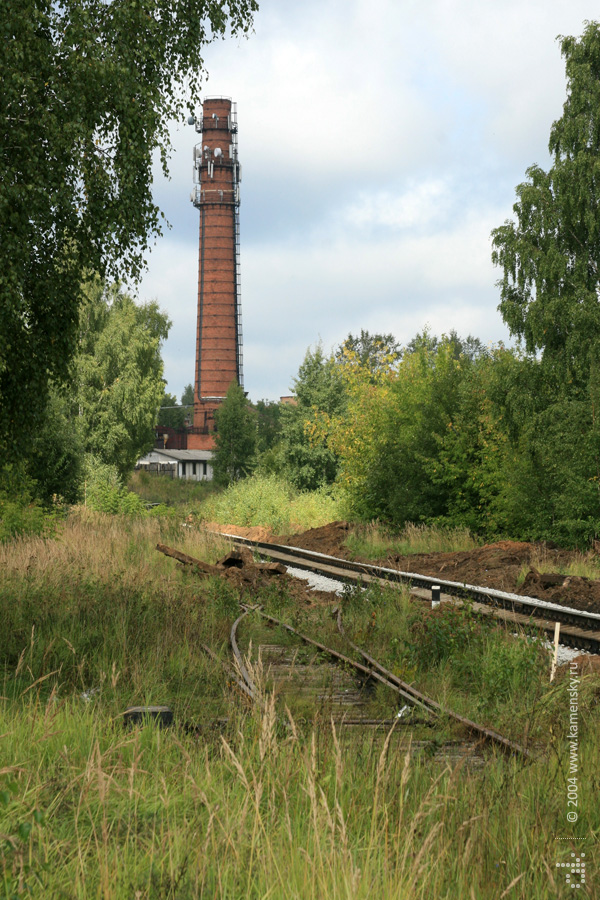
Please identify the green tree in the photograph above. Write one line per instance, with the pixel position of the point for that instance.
(550, 255)
(55, 458)
(388, 434)
(89, 88)
(171, 414)
(374, 351)
(469, 347)
(421, 403)
(235, 438)
(268, 425)
(187, 401)
(118, 375)
(318, 386)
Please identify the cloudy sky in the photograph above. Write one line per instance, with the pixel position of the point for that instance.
(381, 141)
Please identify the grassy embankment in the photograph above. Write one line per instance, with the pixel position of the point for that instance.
(95, 620)
(375, 541)
(265, 501)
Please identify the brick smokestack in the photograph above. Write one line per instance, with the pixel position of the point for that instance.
(217, 174)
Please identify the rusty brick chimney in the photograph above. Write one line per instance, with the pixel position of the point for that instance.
(216, 194)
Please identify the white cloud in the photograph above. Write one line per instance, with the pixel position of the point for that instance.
(381, 142)
(421, 204)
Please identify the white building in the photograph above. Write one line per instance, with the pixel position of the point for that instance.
(190, 464)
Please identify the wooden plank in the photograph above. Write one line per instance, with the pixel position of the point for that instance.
(205, 568)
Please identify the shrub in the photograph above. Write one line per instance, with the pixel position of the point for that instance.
(20, 512)
(509, 665)
(271, 502)
(104, 491)
(442, 633)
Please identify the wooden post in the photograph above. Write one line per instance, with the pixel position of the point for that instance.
(555, 656)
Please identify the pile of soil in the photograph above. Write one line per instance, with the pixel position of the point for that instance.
(239, 568)
(498, 565)
(584, 665)
(325, 539)
(254, 533)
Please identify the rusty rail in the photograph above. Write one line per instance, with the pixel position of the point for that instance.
(412, 695)
(486, 733)
(230, 673)
(250, 686)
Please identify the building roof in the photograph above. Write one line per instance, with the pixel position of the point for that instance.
(182, 455)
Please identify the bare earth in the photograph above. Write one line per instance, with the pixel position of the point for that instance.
(493, 565)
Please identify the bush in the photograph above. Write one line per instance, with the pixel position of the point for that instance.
(271, 502)
(508, 666)
(20, 512)
(442, 633)
(104, 491)
(22, 516)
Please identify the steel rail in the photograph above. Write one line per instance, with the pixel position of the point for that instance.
(482, 730)
(230, 673)
(251, 687)
(415, 697)
(586, 636)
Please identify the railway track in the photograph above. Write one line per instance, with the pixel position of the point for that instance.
(371, 669)
(579, 629)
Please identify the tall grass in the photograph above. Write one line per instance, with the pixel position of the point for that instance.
(95, 620)
(586, 565)
(100, 603)
(271, 502)
(180, 492)
(89, 810)
(374, 540)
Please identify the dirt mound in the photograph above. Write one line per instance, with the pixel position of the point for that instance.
(324, 539)
(254, 533)
(500, 565)
(586, 665)
(570, 590)
(517, 547)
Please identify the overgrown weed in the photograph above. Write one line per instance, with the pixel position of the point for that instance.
(270, 502)
(264, 811)
(375, 541)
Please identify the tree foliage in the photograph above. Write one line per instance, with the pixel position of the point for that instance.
(318, 386)
(235, 438)
(268, 423)
(550, 255)
(89, 88)
(187, 401)
(55, 459)
(171, 414)
(117, 374)
(374, 352)
(389, 430)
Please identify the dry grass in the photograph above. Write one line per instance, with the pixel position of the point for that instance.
(259, 813)
(376, 541)
(584, 565)
(101, 546)
(271, 808)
